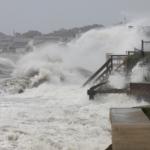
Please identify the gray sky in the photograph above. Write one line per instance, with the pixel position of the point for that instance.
(48, 15)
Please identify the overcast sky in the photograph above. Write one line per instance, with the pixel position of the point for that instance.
(48, 15)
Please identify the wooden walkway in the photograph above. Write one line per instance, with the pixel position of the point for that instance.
(130, 129)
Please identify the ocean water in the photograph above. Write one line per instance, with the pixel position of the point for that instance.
(43, 105)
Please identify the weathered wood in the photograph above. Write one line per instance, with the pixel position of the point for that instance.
(105, 72)
(142, 44)
(140, 89)
(105, 91)
(97, 72)
(118, 56)
(146, 41)
(108, 66)
(93, 90)
(130, 129)
(119, 66)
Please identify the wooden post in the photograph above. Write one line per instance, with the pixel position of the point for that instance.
(111, 63)
(142, 45)
(142, 48)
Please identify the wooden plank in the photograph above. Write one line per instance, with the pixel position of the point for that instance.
(127, 115)
(140, 89)
(103, 73)
(130, 129)
(105, 91)
(108, 64)
(97, 72)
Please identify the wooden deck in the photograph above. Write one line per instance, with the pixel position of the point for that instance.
(130, 129)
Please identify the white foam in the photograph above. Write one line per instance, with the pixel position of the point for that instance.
(58, 63)
(139, 72)
(117, 80)
(54, 117)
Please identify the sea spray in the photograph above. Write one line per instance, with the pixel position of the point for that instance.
(117, 80)
(60, 62)
(6, 67)
(139, 72)
(91, 48)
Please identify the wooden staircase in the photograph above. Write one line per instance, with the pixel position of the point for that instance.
(101, 76)
(101, 72)
(114, 62)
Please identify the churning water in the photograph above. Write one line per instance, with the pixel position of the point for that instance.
(53, 112)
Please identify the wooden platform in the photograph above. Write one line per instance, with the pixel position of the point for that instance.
(130, 129)
(140, 89)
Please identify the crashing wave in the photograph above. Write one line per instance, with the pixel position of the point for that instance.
(70, 63)
(13, 85)
(6, 67)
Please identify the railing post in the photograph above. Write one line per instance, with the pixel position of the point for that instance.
(142, 48)
(142, 45)
(111, 62)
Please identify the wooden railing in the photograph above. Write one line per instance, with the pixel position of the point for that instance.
(114, 62)
(106, 67)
